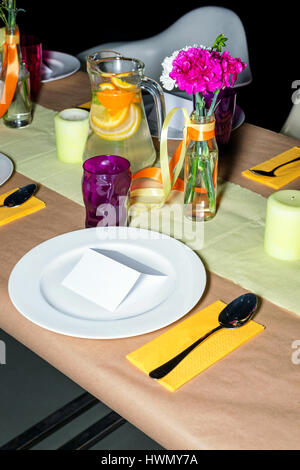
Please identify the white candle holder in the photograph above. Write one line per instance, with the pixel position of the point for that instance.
(282, 231)
(71, 131)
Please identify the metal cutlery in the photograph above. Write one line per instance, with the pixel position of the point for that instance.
(272, 172)
(20, 196)
(234, 315)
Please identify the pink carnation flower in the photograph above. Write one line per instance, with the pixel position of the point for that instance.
(196, 70)
(199, 70)
(231, 67)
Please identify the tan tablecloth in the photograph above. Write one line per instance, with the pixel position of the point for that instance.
(248, 400)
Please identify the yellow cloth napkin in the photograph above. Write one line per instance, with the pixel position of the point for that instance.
(176, 339)
(8, 214)
(284, 175)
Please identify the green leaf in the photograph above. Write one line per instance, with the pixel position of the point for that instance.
(219, 43)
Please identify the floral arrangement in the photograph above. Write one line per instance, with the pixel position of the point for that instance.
(200, 71)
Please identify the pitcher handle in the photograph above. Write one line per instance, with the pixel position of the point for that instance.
(156, 91)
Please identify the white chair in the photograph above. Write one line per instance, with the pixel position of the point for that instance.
(291, 126)
(199, 26)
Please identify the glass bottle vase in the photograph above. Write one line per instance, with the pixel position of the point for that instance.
(201, 168)
(19, 113)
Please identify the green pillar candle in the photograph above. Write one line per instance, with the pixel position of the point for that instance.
(71, 131)
(282, 232)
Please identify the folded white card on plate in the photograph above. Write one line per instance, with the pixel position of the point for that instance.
(101, 279)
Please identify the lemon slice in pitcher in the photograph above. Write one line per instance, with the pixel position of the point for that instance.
(125, 130)
(107, 86)
(122, 84)
(105, 119)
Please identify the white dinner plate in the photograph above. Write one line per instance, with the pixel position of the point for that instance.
(36, 291)
(6, 168)
(57, 65)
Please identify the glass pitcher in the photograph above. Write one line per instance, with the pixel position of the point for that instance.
(117, 118)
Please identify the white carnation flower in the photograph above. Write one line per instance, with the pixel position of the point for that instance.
(167, 81)
(167, 65)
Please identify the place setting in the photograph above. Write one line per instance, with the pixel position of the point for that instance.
(130, 263)
(107, 284)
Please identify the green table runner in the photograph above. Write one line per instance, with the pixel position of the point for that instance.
(33, 151)
(233, 246)
(233, 240)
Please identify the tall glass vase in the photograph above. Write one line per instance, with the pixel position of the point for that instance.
(19, 113)
(201, 169)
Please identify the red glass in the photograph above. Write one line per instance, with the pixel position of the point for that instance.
(31, 48)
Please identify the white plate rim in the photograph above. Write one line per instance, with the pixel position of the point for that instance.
(235, 125)
(132, 330)
(10, 168)
(60, 56)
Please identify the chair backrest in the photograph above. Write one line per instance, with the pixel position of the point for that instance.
(291, 126)
(199, 26)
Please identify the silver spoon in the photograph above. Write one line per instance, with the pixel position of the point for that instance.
(20, 196)
(234, 315)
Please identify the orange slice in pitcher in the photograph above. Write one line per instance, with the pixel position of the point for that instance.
(113, 74)
(115, 99)
(104, 119)
(137, 98)
(125, 130)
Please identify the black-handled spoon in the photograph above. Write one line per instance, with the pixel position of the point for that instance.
(20, 196)
(234, 315)
(272, 172)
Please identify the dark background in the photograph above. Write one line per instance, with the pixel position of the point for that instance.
(272, 31)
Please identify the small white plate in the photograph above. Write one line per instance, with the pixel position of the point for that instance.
(41, 298)
(176, 134)
(6, 168)
(57, 65)
(238, 118)
(177, 122)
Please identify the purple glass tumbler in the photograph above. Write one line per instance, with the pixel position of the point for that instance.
(224, 114)
(105, 187)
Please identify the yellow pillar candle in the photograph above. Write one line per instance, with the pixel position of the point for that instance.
(282, 232)
(71, 130)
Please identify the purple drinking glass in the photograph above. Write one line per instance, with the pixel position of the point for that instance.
(105, 187)
(224, 114)
(31, 48)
